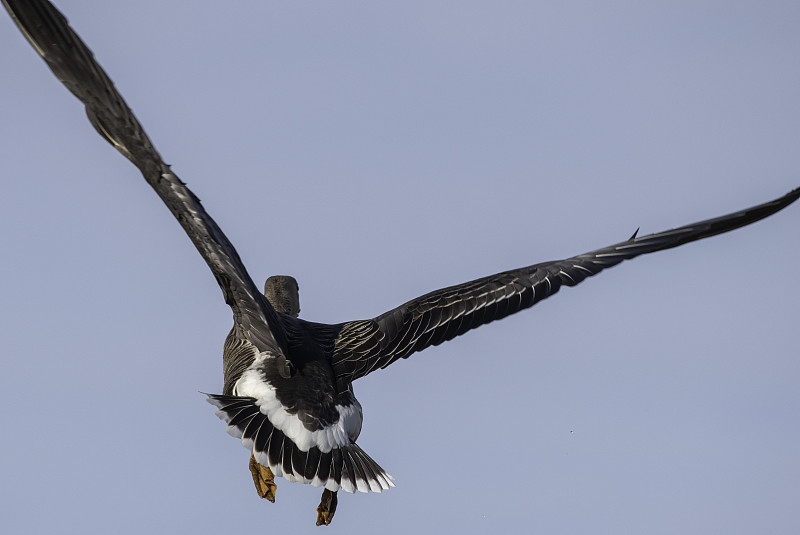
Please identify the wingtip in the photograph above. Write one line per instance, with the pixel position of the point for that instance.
(782, 202)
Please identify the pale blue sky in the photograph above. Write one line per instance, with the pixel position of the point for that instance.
(376, 151)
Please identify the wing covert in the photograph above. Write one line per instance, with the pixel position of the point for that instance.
(368, 345)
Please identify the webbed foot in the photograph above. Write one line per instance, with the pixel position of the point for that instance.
(327, 507)
(264, 480)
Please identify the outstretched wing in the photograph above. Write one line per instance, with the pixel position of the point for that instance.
(74, 64)
(365, 346)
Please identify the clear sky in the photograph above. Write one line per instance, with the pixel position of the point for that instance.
(377, 151)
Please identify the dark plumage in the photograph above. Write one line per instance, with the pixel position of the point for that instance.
(288, 382)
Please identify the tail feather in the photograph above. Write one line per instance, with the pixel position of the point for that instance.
(274, 450)
(347, 467)
(370, 476)
(312, 464)
(261, 441)
(287, 452)
(242, 415)
(337, 470)
(323, 469)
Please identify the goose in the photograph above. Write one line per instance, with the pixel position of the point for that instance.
(288, 382)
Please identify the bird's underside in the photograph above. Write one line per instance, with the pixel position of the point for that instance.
(288, 382)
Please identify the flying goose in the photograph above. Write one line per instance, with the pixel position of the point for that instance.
(287, 390)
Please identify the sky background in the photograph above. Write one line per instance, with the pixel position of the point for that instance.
(377, 151)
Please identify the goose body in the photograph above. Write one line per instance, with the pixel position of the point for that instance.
(288, 382)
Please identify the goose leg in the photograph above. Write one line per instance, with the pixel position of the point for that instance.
(327, 507)
(264, 480)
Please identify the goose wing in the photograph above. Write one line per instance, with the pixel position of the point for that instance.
(364, 346)
(74, 64)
